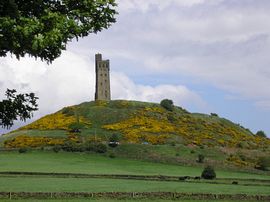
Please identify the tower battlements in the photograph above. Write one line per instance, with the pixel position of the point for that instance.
(103, 91)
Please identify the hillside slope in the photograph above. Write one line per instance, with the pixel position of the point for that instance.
(140, 122)
(146, 131)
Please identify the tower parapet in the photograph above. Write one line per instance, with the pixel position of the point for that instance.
(103, 91)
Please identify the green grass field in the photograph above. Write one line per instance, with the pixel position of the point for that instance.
(63, 162)
(107, 200)
(48, 184)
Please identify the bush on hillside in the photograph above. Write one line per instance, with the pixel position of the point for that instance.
(171, 118)
(71, 146)
(68, 111)
(112, 155)
(57, 148)
(76, 127)
(263, 163)
(114, 138)
(261, 133)
(95, 147)
(214, 114)
(101, 148)
(208, 173)
(200, 158)
(22, 150)
(167, 104)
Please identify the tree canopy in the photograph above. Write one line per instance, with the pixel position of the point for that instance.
(167, 104)
(16, 106)
(42, 28)
(261, 133)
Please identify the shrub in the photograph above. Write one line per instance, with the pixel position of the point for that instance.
(76, 127)
(214, 114)
(167, 104)
(89, 146)
(71, 146)
(173, 144)
(57, 148)
(263, 163)
(101, 148)
(112, 155)
(261, 133)
(171, 118)
(22, 150)
(201, 147)
(114, 138)
(192, 151)
(200, 158)
(208, 173)
(68, 111)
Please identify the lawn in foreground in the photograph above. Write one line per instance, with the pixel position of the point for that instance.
(109, 200)
(49, 184)
(63, 162)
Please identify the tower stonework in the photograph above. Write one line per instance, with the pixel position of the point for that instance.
(103, 91)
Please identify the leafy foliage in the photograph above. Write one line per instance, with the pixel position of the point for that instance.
(42, 28)
(167, 104)
(114, 138)
(263, 163)
(261, 133)
(208, 173)
(200, 158)
(22, 150)
(16, 106)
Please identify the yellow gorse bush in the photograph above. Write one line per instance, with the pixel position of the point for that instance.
(141, 127)
(151, 124)
(55, 121)
(22, 141)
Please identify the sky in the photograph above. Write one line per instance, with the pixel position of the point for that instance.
(208, 56)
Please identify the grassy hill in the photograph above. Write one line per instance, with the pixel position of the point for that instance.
(156, 134)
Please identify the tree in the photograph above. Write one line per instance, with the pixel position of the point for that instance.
(42, 28)
(261, 133)
(16, 106)
(167, 104)
(208, 173)
(263, 163)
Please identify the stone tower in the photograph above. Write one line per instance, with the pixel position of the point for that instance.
(103, 91)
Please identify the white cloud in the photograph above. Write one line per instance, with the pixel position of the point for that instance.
(124, 88)
(71, 80)
(67, 81)
(144, 6)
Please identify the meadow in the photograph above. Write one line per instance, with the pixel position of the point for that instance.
(90, 163)
(32, 163)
